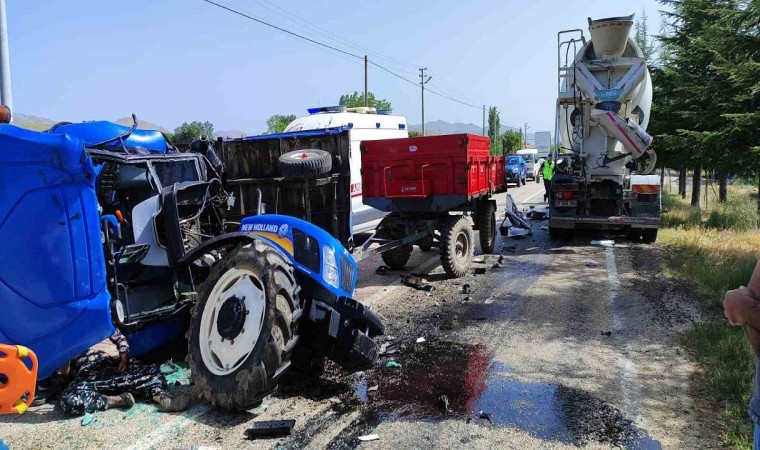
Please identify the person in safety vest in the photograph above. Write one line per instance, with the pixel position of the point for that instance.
(547, 171)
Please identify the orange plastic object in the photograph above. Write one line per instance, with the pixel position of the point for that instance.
(17, 380)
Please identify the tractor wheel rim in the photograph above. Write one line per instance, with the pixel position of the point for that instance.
(223, 355)
(462, 246)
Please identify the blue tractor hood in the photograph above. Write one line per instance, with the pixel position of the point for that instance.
(53, 294)
(138, 141)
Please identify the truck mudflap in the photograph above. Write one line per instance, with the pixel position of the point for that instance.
(346, 330)
(613, 221)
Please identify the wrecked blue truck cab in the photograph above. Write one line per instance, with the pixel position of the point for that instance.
(116, 225)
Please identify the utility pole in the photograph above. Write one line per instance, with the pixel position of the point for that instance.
(484, 120)
(5, 61)
(366, 89)
(423, 82)
(525, 143)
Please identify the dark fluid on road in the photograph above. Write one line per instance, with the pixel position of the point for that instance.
(473, 383)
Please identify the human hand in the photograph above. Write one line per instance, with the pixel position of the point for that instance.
(123, 362)
(737, 305)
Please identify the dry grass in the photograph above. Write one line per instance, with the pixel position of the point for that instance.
(718, 249)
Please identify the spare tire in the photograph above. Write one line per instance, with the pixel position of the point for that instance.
(305, 163)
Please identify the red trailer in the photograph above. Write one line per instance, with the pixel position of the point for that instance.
(420, 181)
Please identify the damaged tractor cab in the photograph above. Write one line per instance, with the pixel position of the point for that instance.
(252, 295)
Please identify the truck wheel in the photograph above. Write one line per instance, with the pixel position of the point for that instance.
(649, 235)
(398, 257)
(456, 246)
(305, 163)
(244, 327)
(426, 244)
(487, 227)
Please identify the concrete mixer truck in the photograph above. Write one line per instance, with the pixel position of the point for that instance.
(602, 178)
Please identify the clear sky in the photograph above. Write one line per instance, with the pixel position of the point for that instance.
(171, 61)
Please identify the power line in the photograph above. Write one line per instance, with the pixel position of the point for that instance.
(322, 44)
(282, 29)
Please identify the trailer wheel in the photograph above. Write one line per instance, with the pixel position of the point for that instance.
(456, 246)
(487, 227)
(244, 327)
(305, 163)
(649, 235)
(426, 244)
(398, 257)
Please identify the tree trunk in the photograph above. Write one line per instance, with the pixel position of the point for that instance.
(722, 186)
(696, 186)
(682, 182)
(662, 179)
(758, 197)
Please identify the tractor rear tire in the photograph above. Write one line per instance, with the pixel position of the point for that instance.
(397, 258)
(305, 163)
(456, 246)
(250, 298)
(487, 227)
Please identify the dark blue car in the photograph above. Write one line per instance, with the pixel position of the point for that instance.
(517, 170)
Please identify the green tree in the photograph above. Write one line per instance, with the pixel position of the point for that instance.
(512, 141)
(278, 122)
(494, 126)
(642, 38)
(356, 100)
(415, 133)
(187, 132)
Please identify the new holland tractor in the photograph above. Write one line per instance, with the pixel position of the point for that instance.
(103, 225)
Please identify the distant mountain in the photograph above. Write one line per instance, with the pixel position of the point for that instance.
(231, 134)
(32, 122)
(443, 127)
(142, 124)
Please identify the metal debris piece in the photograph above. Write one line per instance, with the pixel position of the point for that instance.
(269, 428)
(466, 289)
(417, 283)
(501, 259)
(443, 400)
(537, 215)
(420, 340)
(369, 437)
(373, 388)
(604, 243)
(479, 271)
(382, 270)
(515, 232)
(428, 288)
(496, 266)
(606, 333)
(531, 249)
(485, 415)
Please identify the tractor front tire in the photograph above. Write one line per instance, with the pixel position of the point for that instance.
(456, 246)
(244, 326)
(487, 227)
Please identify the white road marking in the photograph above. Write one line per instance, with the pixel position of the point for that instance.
(168, 429)
(529, 198)
(626, 366)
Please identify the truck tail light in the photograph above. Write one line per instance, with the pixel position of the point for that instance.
(564, 195)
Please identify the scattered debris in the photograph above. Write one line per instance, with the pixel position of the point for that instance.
(517, 224)
(501, 259)
(537, 215)
(592, 264)
(496, 266)
(270, 428)
(544, 228)
(515, 232)
(369, 437)
(392, 365)
(531, 249)
(436, 304)
(86, 419)
(373, 388)
(606, 333)
(444, 402)
(389, 348)
(417, 282)
(420, 340)
(466, 289)
(466, 299)
(485, 415)
(604, 243)
(479, 271)
(382, 270)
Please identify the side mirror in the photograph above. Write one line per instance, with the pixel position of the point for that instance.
(5, 114)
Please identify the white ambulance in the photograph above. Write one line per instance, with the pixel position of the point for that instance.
(363, 124)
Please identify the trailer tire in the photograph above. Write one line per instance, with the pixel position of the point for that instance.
(238, 378)
(426, 244)
(305, 163)
(456, 246)
(649, 235)
(397, 258)
(487, 227)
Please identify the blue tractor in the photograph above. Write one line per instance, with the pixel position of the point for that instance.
(104, 225)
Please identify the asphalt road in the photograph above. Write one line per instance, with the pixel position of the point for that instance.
(562, 344)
